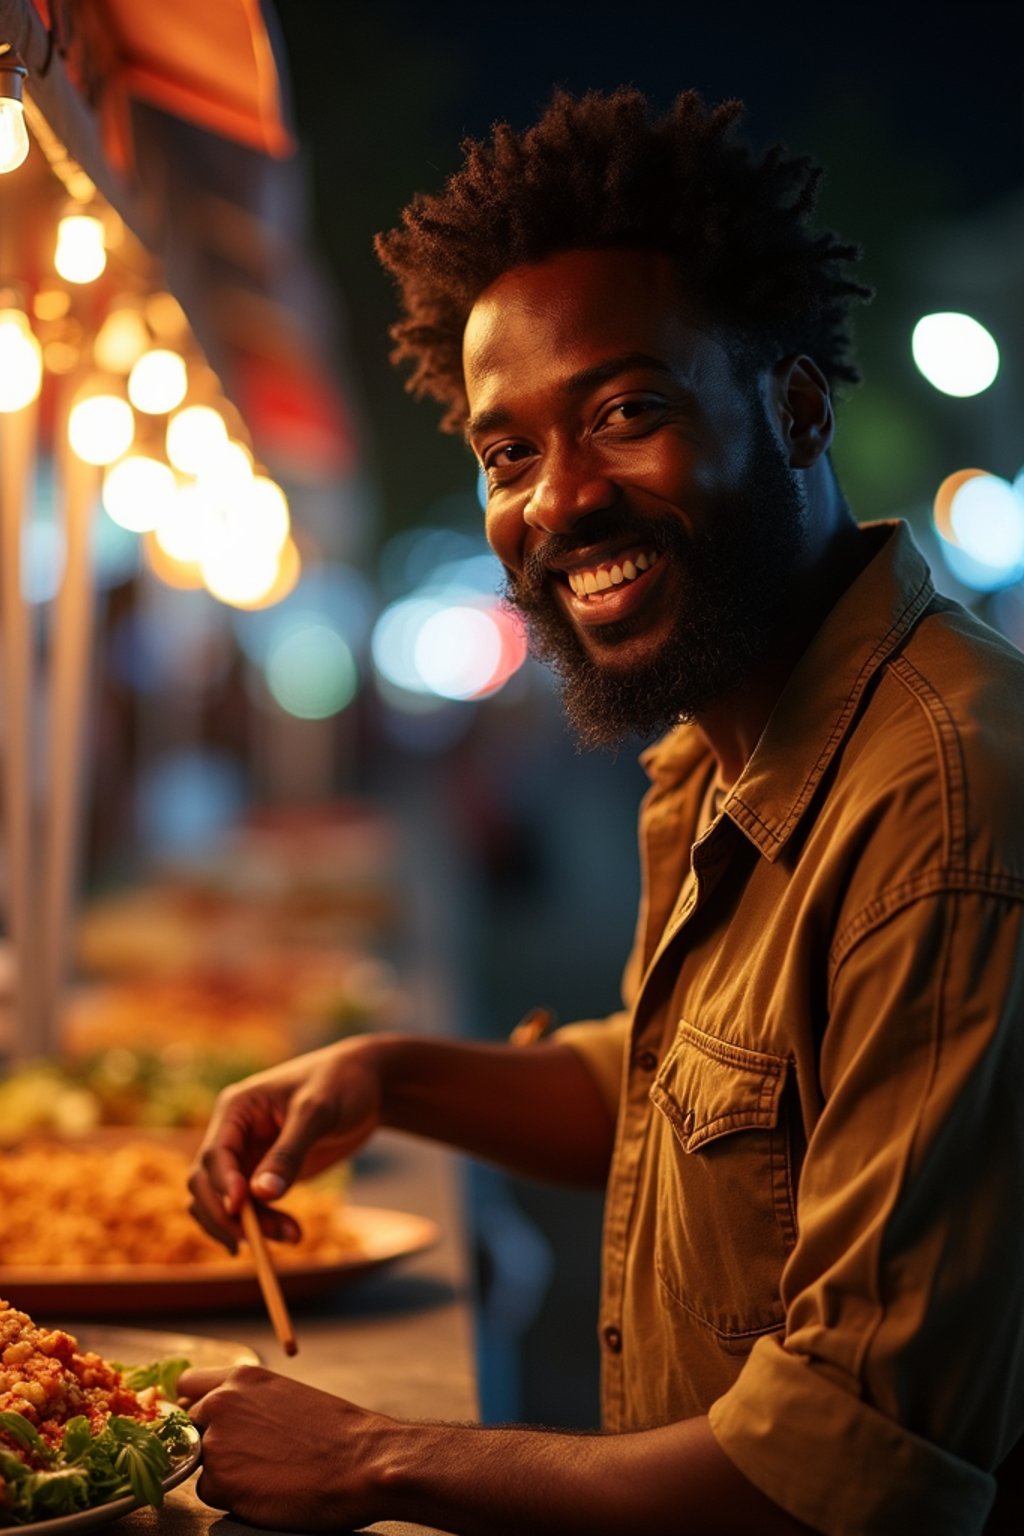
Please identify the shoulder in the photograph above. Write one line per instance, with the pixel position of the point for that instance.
(931, 776)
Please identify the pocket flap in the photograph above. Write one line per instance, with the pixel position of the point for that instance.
(708, 1087)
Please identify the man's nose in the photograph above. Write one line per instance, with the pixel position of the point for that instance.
(571, 486)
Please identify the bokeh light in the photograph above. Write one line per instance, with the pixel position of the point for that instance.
(121, 339)
(186, 523)
(80, 255)
(137, 491)
(987, 518)
(289, 570)
(158, 381)
(187, 798)
(43, 557)
(21, 361)
(943, 504)
(227, 472)
(457, 651)
(236, 573)
(394, 641)
(263, 515)
(980, 521)
(184, 575)
(195, 435)
(101, 427)
(311, 672)
(955, 353)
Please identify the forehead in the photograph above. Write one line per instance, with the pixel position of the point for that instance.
(551, 319)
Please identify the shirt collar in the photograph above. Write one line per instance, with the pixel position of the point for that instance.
(816, 708)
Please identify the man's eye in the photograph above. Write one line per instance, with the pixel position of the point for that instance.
(504, 456)
(640, 410)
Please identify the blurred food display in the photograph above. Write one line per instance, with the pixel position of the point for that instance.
(279, 941)
(101, 1206)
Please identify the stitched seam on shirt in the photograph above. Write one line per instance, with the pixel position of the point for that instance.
(938, 1016)
(939, 716)
(928, 882)
(746, 1057)
(725, 1334)
(883, 649)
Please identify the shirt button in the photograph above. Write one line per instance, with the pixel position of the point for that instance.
(613, 1339)
(647, 1061)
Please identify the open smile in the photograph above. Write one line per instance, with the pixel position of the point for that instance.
(607, 590)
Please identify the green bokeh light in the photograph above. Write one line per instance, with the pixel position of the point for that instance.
(311, 672)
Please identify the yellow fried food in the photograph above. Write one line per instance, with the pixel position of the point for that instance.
(72, 1206)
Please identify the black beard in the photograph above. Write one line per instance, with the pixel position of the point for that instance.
(737, 576)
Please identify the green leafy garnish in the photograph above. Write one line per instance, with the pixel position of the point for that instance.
(20, 1429)
(162, 1374)
(126, 1457)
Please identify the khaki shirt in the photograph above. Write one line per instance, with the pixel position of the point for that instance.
(814, 1228)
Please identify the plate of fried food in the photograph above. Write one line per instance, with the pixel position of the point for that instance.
(84, 1440)
(102, 1229)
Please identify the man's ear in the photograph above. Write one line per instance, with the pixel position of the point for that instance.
(803, 409)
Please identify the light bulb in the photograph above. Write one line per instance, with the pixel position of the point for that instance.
(239, 574)
(263, 515)
(188, 524)
(101, 425)
(21, 361)
(81, 253)
(227, 475)
(137, 490)
(158, 381)
(195, 435)
(13, 133)
(121, 339)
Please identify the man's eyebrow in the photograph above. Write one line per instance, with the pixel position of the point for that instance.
(576, 383)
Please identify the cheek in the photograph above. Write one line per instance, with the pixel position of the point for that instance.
(505, 530)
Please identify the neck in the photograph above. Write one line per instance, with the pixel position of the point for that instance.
(733, 725)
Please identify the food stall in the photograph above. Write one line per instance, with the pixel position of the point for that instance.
(122, 1015)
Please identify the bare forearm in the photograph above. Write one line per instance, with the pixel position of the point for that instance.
(536, 1110)
(501, 1482)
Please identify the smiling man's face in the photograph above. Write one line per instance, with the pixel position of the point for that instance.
(638, 497)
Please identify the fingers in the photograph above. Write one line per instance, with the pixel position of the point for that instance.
(308, 1118)
(242, 1121)
(196, 1382)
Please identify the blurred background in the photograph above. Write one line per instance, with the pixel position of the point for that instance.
(257, 676)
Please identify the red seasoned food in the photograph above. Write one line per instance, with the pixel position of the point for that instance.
(45, 1378)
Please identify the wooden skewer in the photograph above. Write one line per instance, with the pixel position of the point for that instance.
(532, 1026)
(269, 1284)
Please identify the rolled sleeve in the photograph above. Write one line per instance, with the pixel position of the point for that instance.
(601, 1043)
(864, 1474)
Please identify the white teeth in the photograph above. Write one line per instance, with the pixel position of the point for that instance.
(603, 578)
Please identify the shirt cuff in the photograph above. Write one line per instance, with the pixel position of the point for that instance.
(602, 1045)
(835, 1462)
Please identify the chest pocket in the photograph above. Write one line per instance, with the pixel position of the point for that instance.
(726, 1214)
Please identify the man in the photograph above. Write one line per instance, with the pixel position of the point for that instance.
(809, 1113)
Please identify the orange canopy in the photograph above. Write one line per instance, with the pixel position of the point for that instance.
(210, 62)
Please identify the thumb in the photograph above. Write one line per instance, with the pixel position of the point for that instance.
(306, 1121)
